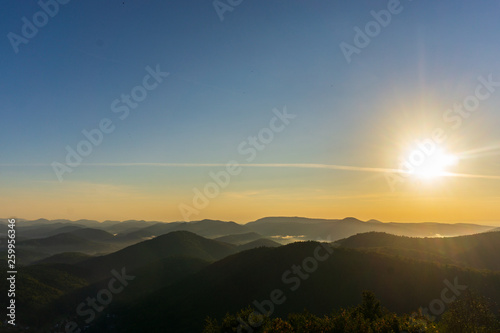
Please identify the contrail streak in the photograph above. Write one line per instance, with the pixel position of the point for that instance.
(261, 165)
(481, 152)
(254, 165)
(467, 175)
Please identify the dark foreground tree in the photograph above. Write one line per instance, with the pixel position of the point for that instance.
(368, 317)
(470, 313)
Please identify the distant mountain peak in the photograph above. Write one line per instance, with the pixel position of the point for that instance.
(351, 219)
(211, 221)
(42, 220)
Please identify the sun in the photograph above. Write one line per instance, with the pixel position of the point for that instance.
(429, 164)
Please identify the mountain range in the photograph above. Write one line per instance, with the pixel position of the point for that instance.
(182, 276)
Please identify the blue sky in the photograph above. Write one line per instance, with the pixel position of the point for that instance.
(225, 78)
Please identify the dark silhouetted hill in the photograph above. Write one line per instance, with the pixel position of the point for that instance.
(477, 251)
(65, 258)
(239, 239)
(179, 243)
(235, 282)
(258, 243)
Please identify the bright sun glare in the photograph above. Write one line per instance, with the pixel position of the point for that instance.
(430, 164)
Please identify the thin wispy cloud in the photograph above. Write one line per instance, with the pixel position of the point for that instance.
(252, 165)
(466, 175)
(491, 150)
(258, 165)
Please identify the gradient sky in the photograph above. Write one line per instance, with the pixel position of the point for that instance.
(225, 79)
